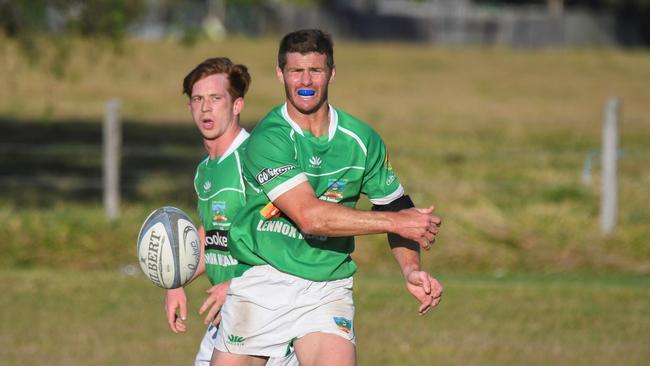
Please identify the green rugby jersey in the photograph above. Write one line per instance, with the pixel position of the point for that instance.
(220, 189)
(349, 160)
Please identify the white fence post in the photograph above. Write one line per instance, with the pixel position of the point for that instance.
(609, 192)
(112, 142)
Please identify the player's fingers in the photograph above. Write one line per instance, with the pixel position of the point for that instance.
(426, 282)
(183, 310)
(206, 304)
(436, 289)
(180, 325)
(424, 243)
(171, 318)
(436, 220)
(217, 320)
(427, 210)
(433, 228)
(211, 314)
(436, 301)
(172, 325)
(426, 305)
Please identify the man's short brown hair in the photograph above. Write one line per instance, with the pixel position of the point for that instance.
(238, 77)
(306, 41)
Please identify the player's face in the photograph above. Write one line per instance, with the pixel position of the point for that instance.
(306, 78)
(213, 109)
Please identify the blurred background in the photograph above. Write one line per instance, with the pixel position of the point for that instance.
(526, 123)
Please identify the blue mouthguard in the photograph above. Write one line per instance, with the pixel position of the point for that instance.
(306, 93)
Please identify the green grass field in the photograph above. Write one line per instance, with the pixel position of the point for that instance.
(107, 318)
(495, 138)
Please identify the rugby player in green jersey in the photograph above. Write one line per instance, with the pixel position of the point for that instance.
(216, 90)
(306, 164)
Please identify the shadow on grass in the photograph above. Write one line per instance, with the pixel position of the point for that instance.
(46, 162)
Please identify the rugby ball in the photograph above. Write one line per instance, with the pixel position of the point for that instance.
(168, 247)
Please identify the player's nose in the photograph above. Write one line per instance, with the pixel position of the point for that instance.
(305, 78)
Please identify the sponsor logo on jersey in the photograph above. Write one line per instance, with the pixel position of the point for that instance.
(315, 162)
(218, 212)
(207, 185)
(280, 227)
(268, 174)
(217, 240)
(343, 323)
(390, 179)
(235, 340)
(335, 188)
(219, 259)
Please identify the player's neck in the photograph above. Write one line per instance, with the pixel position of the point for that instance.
(317, 122)
(218, 146)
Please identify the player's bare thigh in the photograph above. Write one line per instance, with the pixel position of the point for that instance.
(325, 349)
(231, 359)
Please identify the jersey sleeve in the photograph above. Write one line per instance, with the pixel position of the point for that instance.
(380, 184)
(270, 161)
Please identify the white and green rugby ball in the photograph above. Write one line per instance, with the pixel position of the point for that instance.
(169, 247)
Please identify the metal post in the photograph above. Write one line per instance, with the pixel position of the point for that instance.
(112, 141)
(609, 193)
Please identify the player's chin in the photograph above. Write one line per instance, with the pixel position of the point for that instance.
(210, 134)
(307, 107)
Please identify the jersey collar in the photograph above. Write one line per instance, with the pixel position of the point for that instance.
(334, 121)
(241, 137)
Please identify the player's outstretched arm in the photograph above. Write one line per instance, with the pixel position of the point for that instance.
(426, 289)
(318, 217)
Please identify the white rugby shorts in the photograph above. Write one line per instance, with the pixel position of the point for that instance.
(267, 310)
(209, 340)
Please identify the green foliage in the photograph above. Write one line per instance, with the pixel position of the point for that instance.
(108, 18)
(36, 23)
(104, 18)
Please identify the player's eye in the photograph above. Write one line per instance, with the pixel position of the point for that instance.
(196, 99)
(214, 98)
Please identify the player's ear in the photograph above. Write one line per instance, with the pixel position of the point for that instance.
(278, 72)
(238, 106)
(332, 74)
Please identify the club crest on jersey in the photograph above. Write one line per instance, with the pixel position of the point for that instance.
(343, 323)
(206, 186)
(268, 174)
(335, 188)
(315, 162)
(219, 212)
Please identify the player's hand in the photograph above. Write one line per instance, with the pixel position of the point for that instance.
(175, 300)
(419, 225)
(216, 298)
(426, 289)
